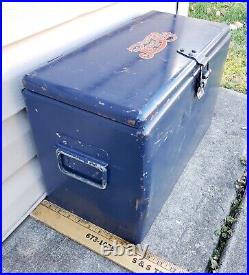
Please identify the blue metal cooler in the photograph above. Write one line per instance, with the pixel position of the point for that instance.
(116, 120)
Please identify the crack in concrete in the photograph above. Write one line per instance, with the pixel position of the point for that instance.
(226, 231)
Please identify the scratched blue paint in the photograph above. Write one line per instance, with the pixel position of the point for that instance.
(138, 118)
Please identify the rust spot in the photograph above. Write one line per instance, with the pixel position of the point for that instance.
(131, 122)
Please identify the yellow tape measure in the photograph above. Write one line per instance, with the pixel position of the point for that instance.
(93, 237)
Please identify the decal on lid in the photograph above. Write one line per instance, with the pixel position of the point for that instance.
(152, 44)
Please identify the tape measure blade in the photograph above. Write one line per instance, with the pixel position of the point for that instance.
(92, 237)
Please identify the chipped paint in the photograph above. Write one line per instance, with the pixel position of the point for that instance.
(124, 69)
(141, 205)
(131, 111)
(101, 103)
(145, 174)
(156, 142)
(136, 205)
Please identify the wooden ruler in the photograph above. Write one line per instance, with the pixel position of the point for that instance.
(93, 237)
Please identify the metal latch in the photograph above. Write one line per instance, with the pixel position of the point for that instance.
(205, 71)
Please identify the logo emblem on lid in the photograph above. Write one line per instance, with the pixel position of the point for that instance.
(152, 44)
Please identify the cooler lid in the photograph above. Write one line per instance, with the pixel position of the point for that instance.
(127, 74)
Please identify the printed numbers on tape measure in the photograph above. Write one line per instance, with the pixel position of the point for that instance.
(95, 239)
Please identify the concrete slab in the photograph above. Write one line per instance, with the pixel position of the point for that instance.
(234, 259)
(34, 247)
(184, 231)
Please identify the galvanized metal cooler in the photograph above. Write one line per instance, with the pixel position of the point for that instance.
(116, 120)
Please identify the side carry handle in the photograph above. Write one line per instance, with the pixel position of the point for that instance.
(82, 167)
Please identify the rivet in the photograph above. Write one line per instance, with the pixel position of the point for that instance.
(190, 54)
(193, 51)
(181, 50)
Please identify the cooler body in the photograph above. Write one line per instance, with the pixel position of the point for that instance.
(113, 139)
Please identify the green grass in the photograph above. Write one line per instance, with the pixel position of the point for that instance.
(234, 76)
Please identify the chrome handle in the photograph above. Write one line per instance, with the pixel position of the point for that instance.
(82, 167)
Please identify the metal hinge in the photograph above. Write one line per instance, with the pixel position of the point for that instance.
(205, 71)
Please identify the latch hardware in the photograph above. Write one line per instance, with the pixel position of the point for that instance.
(205, 71)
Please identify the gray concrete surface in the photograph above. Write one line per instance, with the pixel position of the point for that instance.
(234, 259)
(183, 232)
